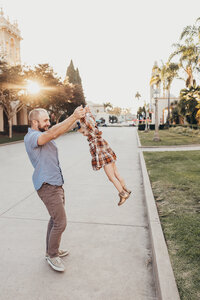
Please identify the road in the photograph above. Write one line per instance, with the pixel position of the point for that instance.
(109, 245)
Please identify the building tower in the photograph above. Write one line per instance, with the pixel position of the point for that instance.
(10, 38)
(152, 87)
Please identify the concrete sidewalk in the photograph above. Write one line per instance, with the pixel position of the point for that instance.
(110, 251)
(170, 148)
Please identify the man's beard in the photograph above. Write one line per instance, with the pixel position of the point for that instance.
(42, 129)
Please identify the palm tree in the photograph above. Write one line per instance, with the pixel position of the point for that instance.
(107, 104)
(156, 80)
(189, 59)
(137, 95)
(171, 72)
(156, 77)
(191, 32)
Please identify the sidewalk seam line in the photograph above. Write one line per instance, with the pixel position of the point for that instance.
(77, 222)
(16, 204)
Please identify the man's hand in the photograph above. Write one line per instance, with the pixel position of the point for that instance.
(62, 127)
(79, 112)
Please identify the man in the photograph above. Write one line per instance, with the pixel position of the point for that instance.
(47, 176)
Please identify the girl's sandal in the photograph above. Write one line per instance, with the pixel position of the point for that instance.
(127, 190)
(123, 197)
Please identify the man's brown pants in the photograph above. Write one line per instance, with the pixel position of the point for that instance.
(54, 200)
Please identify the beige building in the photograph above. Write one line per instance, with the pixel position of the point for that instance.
(10, 37)
(162, 108)
(98, 111)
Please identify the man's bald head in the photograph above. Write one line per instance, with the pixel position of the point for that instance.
(36, 113)
(39, 119)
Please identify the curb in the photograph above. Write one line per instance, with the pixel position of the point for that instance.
(170, 146)
(11, 143)
(166, 287)
(138, 140)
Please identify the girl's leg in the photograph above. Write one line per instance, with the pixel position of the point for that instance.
(121, 180)
(118, 176)
(109, 170)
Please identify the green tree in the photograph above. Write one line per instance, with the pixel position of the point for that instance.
(73, 78)
(169, 73)
(11, 83)
(137, 95)
(191, 32)
(165, 75)
(78, 95)
(189, 103)
(156, 78)
(189, 56)
(78, 78)
(77, 98)
(141, 112)
(107, 105)
(54, 95)
(72, 74)
(115, 111)
(175, 115)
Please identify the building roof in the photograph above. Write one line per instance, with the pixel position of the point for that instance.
(11, 28)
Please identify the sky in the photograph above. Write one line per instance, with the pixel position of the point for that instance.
(114, 43)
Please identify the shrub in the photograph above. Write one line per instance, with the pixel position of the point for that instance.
(152, 126)
(162, 126)
(141, 127)
(20, 128)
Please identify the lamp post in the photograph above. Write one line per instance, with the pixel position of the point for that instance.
(146, 122)
(156, 137)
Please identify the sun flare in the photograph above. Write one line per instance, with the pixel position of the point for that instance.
(33, 87)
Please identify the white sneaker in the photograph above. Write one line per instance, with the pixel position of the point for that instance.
(56, 263)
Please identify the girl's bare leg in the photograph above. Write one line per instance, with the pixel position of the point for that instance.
(109, 170)
(118, 176)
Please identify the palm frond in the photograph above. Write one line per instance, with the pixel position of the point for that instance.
(186, 31)
(197, 20)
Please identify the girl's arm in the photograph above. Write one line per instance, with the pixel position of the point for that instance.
(87, 110)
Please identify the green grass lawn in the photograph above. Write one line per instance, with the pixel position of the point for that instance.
(168, 138)
(175, 179)
(16, 137)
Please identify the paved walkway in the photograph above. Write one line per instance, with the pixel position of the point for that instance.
(109, 245)
(172, 148)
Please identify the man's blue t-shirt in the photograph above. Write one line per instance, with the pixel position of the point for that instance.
(44, 160)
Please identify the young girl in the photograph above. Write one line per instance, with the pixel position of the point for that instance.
(102, 154)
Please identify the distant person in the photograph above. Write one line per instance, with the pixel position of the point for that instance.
(47, 176)
(102, 154)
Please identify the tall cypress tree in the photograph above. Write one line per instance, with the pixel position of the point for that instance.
(71, 73)
(73, 76)
(78, 78)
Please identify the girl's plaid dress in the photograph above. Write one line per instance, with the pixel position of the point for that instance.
(101, 153)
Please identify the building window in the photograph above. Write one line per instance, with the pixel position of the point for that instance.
(12, 50)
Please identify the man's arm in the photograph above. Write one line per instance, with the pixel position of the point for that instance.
(55, 131)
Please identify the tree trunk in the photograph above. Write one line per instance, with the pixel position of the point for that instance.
(10, 128)
(156, 137)
(168, 121)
